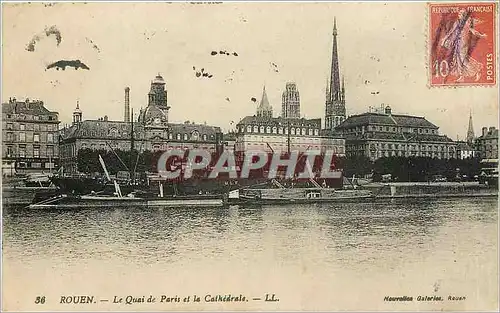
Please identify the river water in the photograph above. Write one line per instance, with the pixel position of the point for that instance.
(311, 257)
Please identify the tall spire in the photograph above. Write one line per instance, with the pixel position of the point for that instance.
(327, 91)
(343, 90)
(334, 75)
(264, 102)
(264, 109)
(470, 130)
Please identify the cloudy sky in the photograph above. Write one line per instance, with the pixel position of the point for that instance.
(382, 48)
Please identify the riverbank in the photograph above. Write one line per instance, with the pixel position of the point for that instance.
(15, 195)
(430, 190)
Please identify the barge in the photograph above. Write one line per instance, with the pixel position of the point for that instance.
(105, 201)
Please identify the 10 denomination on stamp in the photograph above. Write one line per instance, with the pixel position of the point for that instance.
(462, 44)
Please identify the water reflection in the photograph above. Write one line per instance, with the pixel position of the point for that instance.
(380, 234)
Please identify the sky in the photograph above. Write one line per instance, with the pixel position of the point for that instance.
(382, 55)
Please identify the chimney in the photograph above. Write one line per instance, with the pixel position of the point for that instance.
(105, 118)
(484, 131)
(388, 110)
(491, 130)
(127, 105)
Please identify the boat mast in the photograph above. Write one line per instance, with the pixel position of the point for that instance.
(132, 148)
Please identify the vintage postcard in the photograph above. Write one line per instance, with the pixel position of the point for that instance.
(250, 156)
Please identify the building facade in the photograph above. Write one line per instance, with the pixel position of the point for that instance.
(335, 112)
(229, 140)
(278, 134)
(29, 137)
(487, 143)
(465, 150)
(151, 131)
(290, 101)
(377, 135)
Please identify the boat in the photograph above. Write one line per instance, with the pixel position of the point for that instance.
(308, 190)
(277, 193)
(22, 190)
(117, 198)
(38, 180)
(63, 201)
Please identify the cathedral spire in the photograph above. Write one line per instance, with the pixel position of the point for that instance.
(327, 90)
(343, 90)
(334, 74)
(470, 130)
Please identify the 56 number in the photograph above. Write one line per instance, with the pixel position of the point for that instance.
(40, 300)
(441, 68)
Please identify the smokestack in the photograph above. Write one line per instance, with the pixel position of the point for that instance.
(127, 105)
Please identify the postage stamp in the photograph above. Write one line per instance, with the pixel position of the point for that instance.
(462, 44)
(191, 156)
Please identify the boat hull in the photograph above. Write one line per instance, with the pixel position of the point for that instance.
(85, 202)
(244, 200)
(300, 195)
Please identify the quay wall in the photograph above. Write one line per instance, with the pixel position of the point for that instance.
(430, 189)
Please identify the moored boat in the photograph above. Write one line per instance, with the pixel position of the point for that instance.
(301, 195)
(107, 201)
(277, 193)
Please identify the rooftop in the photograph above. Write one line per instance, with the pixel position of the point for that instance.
(280, 121)
(27, 107)
(386, 119)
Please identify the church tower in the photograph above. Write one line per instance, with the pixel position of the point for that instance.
(264, 109)
(470, 130)
(335, 112)
(290, 107)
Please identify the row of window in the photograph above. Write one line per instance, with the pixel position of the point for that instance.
(334, 121)
(49, 152)
(440, 155)
(33, 117)
(296, 139)
(391, 129)
(36, 127)
(159, 147)
(336, 149)
(280, 130)
(195, 136)
(396, 146)
(22, 137)
(488, 148)
(48, 165)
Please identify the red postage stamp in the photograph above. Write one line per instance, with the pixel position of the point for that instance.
(462, 44)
